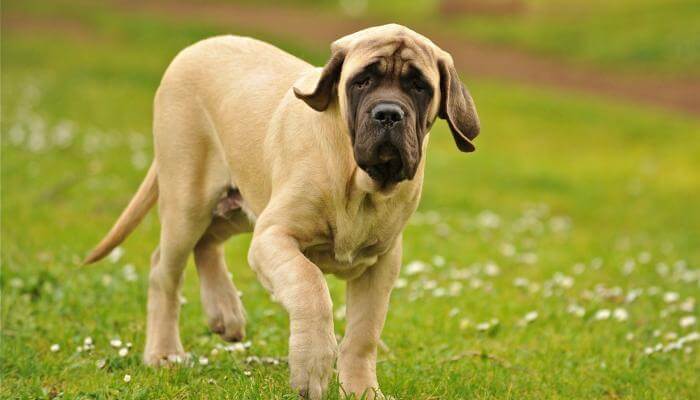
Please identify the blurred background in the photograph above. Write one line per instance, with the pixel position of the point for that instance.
(560, 260)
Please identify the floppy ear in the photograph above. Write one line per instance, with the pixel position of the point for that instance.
(324, 89)
(457, 107)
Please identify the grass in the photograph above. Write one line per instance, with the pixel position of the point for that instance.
(648, 36)
(561, 187)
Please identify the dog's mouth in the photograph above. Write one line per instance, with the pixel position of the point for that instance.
(386, 167)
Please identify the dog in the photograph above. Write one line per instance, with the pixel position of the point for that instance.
(323, 165)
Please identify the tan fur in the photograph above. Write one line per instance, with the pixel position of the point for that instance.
(226, 115)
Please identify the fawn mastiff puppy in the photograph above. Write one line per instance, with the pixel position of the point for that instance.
(323, 165)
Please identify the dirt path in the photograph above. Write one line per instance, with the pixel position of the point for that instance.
(319, 28)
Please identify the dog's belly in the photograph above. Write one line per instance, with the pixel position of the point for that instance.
(346, 266)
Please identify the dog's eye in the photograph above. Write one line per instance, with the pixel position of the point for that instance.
(418, 85)
(362, 83)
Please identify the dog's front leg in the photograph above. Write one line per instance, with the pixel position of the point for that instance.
(300, 287)
(367, 304)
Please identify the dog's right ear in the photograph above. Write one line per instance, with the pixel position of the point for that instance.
(322, 92)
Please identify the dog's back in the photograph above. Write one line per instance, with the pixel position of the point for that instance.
(226, 90)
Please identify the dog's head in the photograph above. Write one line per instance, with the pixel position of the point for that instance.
(391, 84)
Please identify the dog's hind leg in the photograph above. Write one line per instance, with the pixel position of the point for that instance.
(192, 174)
(179, 233)
(220, 299)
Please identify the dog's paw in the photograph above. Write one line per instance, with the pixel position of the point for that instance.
(225, 312)
(229, 323)
(311, 358)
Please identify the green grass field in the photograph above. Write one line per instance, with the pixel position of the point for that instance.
(649, 36)
(579, 209)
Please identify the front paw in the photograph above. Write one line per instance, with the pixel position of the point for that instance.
(311, 358)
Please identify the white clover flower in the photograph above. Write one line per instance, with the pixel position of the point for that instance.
(560, 224)
(123, 352)
(528, 258)
(563, 281)
(442, 230)
(464, 323)
(101, 363)
(579, 268)
(439, 261)
(688, 305)
(672, 346)
(115, 343)
(483, 326)
(687, 321)
(429, 284)
(671, 297)
(629, 336)
(576, 310)
(247, 373)
(628, 267)
(455, 288)
(183, 300)
(662, 269)
(488, 219)
(415, 267)
(340, 312)
(115, 255)
(87, 341)
(644, 257)
(521, 282)
(439, 292)
(252, 360)
(648, 350)
(453, 312)
(632, 295)
(175, 359)
(129, 272)
(692, 337)
(476, 283)
(107, 280)
(400, 283)
(203, 361)
(127, 378)
(55, 347)
(508, 250)
(620, 314)
(491, 269)
(235, 347)
(602, 314)
(531, 316)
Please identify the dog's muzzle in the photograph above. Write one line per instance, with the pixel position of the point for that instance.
(386, 166)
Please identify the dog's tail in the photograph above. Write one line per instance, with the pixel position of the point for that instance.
(132, 215)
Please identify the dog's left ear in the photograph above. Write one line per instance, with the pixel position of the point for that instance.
(457, 106)
(324, 89)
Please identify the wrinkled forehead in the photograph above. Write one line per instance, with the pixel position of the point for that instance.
(395, 54)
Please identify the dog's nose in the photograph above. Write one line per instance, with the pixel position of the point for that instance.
(387, 113)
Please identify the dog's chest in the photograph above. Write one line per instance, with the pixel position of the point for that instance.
(355, 241)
